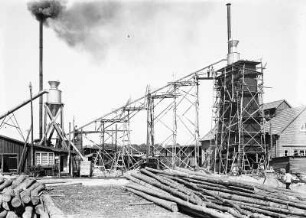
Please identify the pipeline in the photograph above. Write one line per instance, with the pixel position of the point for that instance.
(23, 104)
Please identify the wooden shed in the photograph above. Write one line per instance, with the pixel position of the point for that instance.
(44, 156)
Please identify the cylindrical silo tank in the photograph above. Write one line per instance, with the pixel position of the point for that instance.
(54, 98)
(233, 56)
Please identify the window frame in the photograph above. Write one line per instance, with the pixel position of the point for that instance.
(50, 158)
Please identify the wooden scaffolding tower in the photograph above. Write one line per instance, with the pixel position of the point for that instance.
(239, 119)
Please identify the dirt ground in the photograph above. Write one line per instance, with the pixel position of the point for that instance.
(104, 200)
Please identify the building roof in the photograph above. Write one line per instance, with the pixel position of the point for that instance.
(210, 135)
(280, 122)
(35, 145)
(273, 104)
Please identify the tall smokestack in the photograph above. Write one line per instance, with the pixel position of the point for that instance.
(41, 85)
(229, 31)
(43, 10)
(232, 53)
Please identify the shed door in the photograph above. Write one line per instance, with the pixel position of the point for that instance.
(9, 163)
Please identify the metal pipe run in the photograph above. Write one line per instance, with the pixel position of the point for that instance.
(23, 104)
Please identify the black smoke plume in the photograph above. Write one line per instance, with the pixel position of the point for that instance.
(44, 9)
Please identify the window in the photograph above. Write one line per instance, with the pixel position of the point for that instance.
(296, 153)
(302, 153)
(286, 153)
(44, 158)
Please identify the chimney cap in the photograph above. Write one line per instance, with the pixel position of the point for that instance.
(54, 84)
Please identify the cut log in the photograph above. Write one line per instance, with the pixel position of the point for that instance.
(39, 209)
(18, 180)
(8, 193)
(33, 186)
(3, 213)
(165, 204)
(201, 209)
(35, 199)
(25, 196)
(35, 194)
(6, 206)
(16, 201)
(11, 214)
(38, 189)
(52, 210)
(24, 185)
(28, 212)
(172, 191)
(140, 182)
(6, 183)
(2, 179)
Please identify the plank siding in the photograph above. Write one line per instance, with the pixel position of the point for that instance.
(292, 138)
(293, 164)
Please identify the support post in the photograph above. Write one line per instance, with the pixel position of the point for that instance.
(196, 150)
(69, 151)
(174, 133)
(32, 130)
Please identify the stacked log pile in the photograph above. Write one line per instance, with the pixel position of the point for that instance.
(23, 197)
(205, 195)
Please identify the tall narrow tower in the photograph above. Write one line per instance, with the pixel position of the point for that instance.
(239, 117)
(53, 119)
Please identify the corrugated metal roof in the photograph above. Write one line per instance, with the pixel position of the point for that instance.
(280, 122)
(273, 104)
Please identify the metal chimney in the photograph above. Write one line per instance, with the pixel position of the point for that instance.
(229, 31)
(41, 22)
(232, 53)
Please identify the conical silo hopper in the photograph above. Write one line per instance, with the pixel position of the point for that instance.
(54, 98)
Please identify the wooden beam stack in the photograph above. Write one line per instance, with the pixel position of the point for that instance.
(24, 197)
(204, 195)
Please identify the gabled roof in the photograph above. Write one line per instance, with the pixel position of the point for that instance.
(280, 122)
(273, 104)
(210, 135)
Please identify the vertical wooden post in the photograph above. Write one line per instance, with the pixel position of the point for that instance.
(174, 133)
(32, 162)
(196, 150)
(69, 150)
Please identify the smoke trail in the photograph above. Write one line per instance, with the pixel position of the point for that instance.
(95, 26)
(45, 9)
(83, 25)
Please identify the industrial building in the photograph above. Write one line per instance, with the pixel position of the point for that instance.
(285, 137)
(53, 153)
(51, 160)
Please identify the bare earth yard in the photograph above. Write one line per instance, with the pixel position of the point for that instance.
(104, 200)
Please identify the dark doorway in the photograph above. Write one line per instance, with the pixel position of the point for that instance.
(62, 163)
(9, 163)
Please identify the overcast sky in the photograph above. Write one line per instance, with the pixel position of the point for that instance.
(147, 42)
